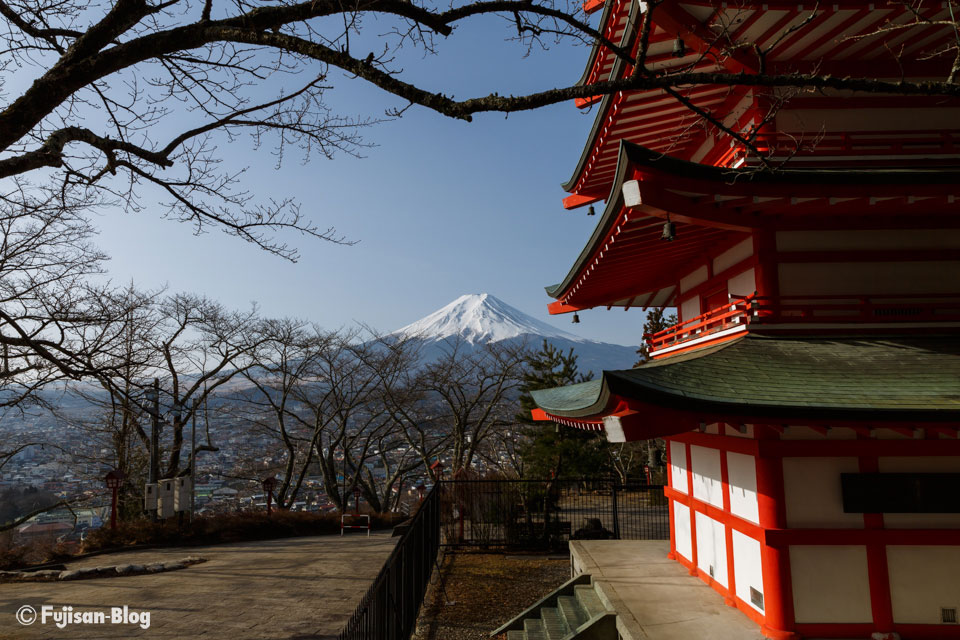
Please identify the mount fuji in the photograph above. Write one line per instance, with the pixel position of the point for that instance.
(479, 319)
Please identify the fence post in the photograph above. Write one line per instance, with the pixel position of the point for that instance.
(616, 512)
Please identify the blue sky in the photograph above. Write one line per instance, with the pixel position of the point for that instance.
(439, 207)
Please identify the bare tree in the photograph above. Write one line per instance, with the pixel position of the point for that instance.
(473, 393)
(282, 365)
(202, 346)
(122, 101)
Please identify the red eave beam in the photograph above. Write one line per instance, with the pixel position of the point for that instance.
(586, 102)
(576, 200)
(560, 306)
(589, 6)
(539, 414)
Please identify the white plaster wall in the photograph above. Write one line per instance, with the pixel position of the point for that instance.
(711, 547)
(713, 428)
(830, 584)
(926, 464)
(678, 466)
(796, 432)
(737, 253)
(922, 580)
(692, 279)
(690, 308)
(742, 481)
(743, 284)
(707, 483)
(890, 434)
(813, 494)
(681, 529)
(747, 567)
(876, 239)
(865, 278)
(735, 431)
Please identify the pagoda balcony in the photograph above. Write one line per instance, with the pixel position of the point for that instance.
(808, 314)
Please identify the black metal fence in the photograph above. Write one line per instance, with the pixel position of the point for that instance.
(529, 514)
(389, 609)
(545, 514)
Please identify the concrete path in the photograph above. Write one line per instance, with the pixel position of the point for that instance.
(656, 598)
(288, 589)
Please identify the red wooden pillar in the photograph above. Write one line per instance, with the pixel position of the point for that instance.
(878, 573)
(765, 267)
(778, 620)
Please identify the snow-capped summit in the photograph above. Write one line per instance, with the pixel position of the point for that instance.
(480, 318)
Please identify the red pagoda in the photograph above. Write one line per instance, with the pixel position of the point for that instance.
(810, 241)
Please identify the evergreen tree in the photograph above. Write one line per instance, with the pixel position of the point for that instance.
(552, 451)
(656, 321)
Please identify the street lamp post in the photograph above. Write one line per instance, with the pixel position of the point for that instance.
(269, 484)
(114, 480)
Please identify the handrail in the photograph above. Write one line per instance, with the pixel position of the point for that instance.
(389, 609)
(838, 309)
(717, 319)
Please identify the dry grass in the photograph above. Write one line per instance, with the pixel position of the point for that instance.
(478, 592)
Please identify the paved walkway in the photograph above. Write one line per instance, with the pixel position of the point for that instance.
(288, 589)
(656, 598)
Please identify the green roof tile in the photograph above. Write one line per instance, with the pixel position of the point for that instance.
(916, 378)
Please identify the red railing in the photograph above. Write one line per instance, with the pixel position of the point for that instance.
(713, 321)
(760, 311)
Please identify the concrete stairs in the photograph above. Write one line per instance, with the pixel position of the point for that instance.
(572, 612)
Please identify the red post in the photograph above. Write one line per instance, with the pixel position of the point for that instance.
(269, 484)
(114, 479)
(777, 588)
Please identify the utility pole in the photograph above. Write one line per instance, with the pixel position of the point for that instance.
(193, 462)
(153, 396)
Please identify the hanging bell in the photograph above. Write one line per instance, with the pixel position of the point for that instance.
(669, 231)
(576, 318)
(679, 48)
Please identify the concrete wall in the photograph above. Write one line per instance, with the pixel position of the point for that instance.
(747, 567)
(711, 548)
(922, 580)
(813, 493)
(830, 584)
(742, 481)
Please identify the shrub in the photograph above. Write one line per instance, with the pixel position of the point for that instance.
(224, 527)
